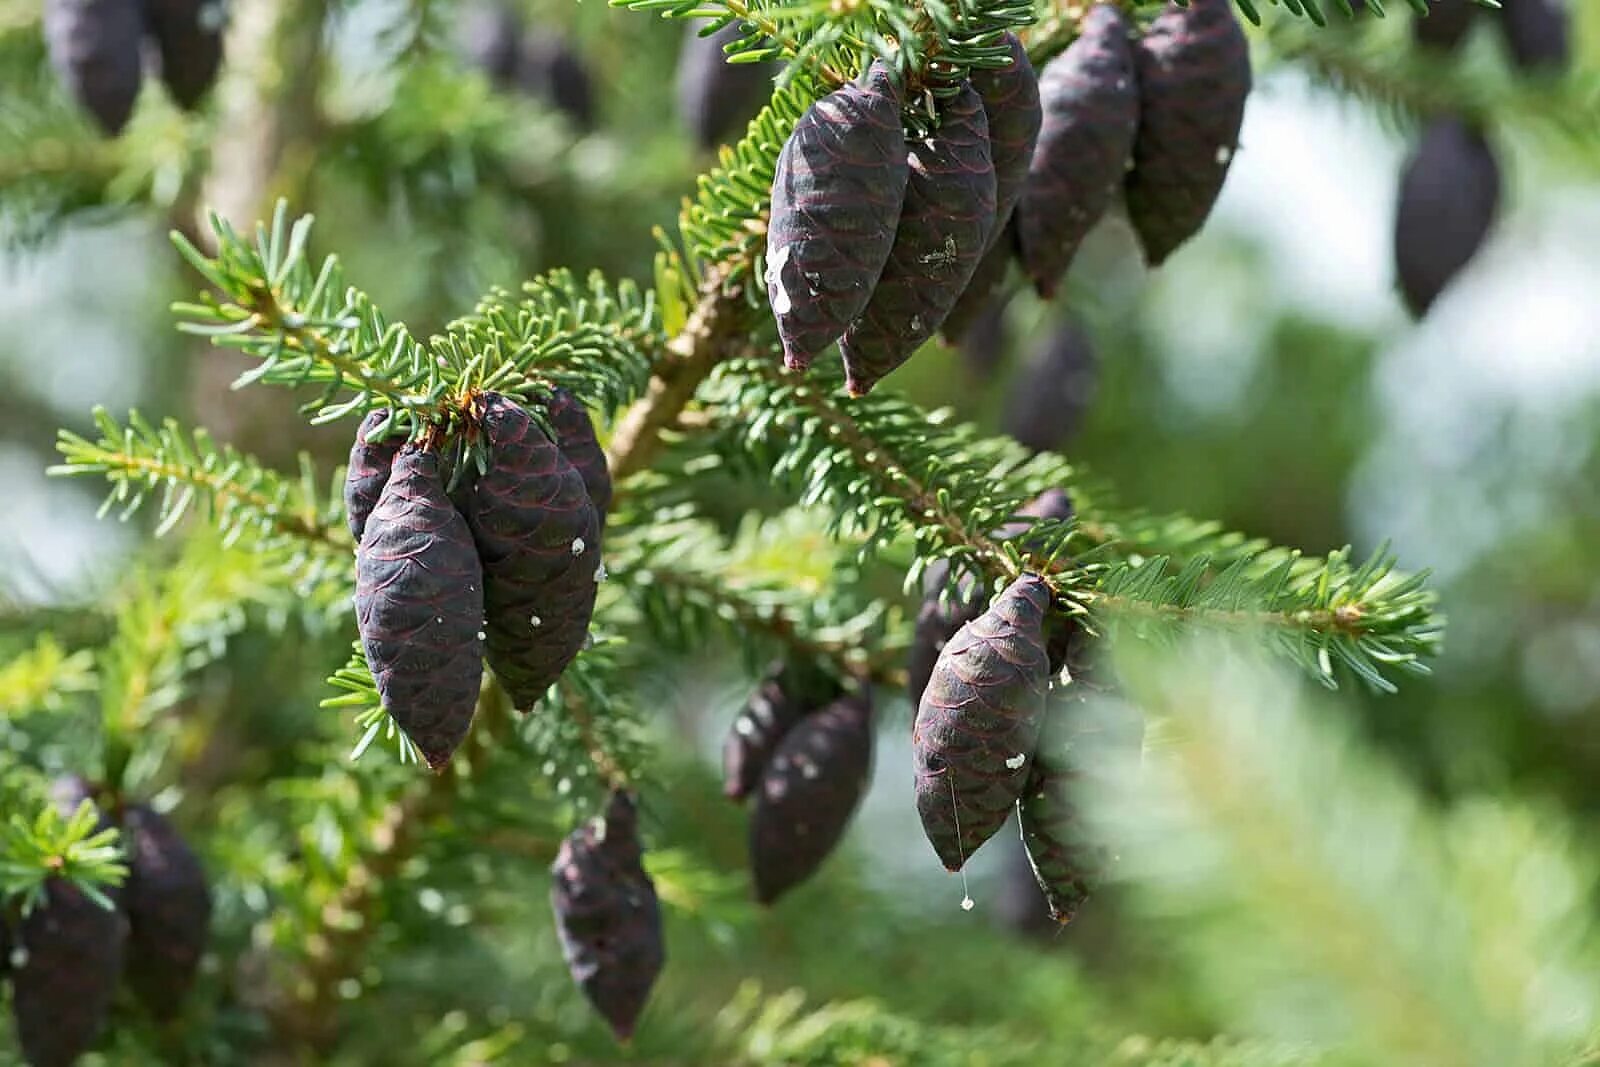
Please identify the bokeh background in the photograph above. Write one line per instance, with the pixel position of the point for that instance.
(1268, 377)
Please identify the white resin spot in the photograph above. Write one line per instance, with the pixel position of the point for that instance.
(535, 620)
(577, 546)
(780, 296)
(482, 636)
(967, 903)
(1224, 154)
(1017, 761)
(600, 573)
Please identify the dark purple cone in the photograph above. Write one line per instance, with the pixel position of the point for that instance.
(576, 439)
(168, 904)
(979, 720)
(836, 197)
(607, 915)
(1449, 194)
(938, 620)
(981, 294)
(188, 36)
(419, 606)
(368, 471)
(1090, 96)
(1080, 741)
(550, 70)
(538, 535)
(1011, 107)
(491, 37)
(1538, 33)
(95, 49)
(1052, 393)
(1017, 906)
(1447, 23)
(62, 994)
(789, 692)
(943, 231)
(983, 343)
(808, 794)
(1194, 76)
(716, 99)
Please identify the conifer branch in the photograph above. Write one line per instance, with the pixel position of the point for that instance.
(43, 677)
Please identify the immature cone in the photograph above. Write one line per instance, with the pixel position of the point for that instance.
(1447, 23)
(979, 720)
(1194, 75)
(942, 234)
(1081, 741)
(1538, 33)
(575, 437)
(1051, 395)
(95, 49)
(539, 538)
(607, 915)
(62, 993)
(550, 70)
(1449, 194)
(1090, 96)
(788, 693)
(168, 904)
(808, 794)
(188, 36)
(836, 197)
(419, 606)
(368, 472)
(717, 98)
(940, 618)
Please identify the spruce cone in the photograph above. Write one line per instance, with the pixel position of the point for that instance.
(1447, 23)
(1051, 395)
(943, 232)
(789, 692)
(188, 36)
(169, 911)
(983, 340)
(1449, 194)
(808, 794)
(369, 467)
(1090, 95)
(419, 604)
(575, 437)
(938, 622)
(607, 915)
(836, 196)
(1194, 75)
(95, 48)
(539, 538)
(979, 720)
(1011, 106)
(491, 36)
(62, 994)
(1538, 34)
(716, 99)
(550, 70)
(1079, 741)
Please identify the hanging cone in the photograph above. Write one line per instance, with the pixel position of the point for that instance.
(789, 692)
(717, 99)
(1010, 96)
(982, 296)
(419, 604)
(943, 231)
(94, 47)
(1449, 195)
(979, 720)
(808, 793)
(576, 439)
(549, 70)
(491, 37)
(1447, 23)
(188, 36)
(368, 471)
(1051, 394)
(1538, 34)
(983, 339)
(539, 538)
(168, 904)
(62, 993)
(1194, 76)
(1090, 96)
(607, 915)
(836, 197)
(1080, 741)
